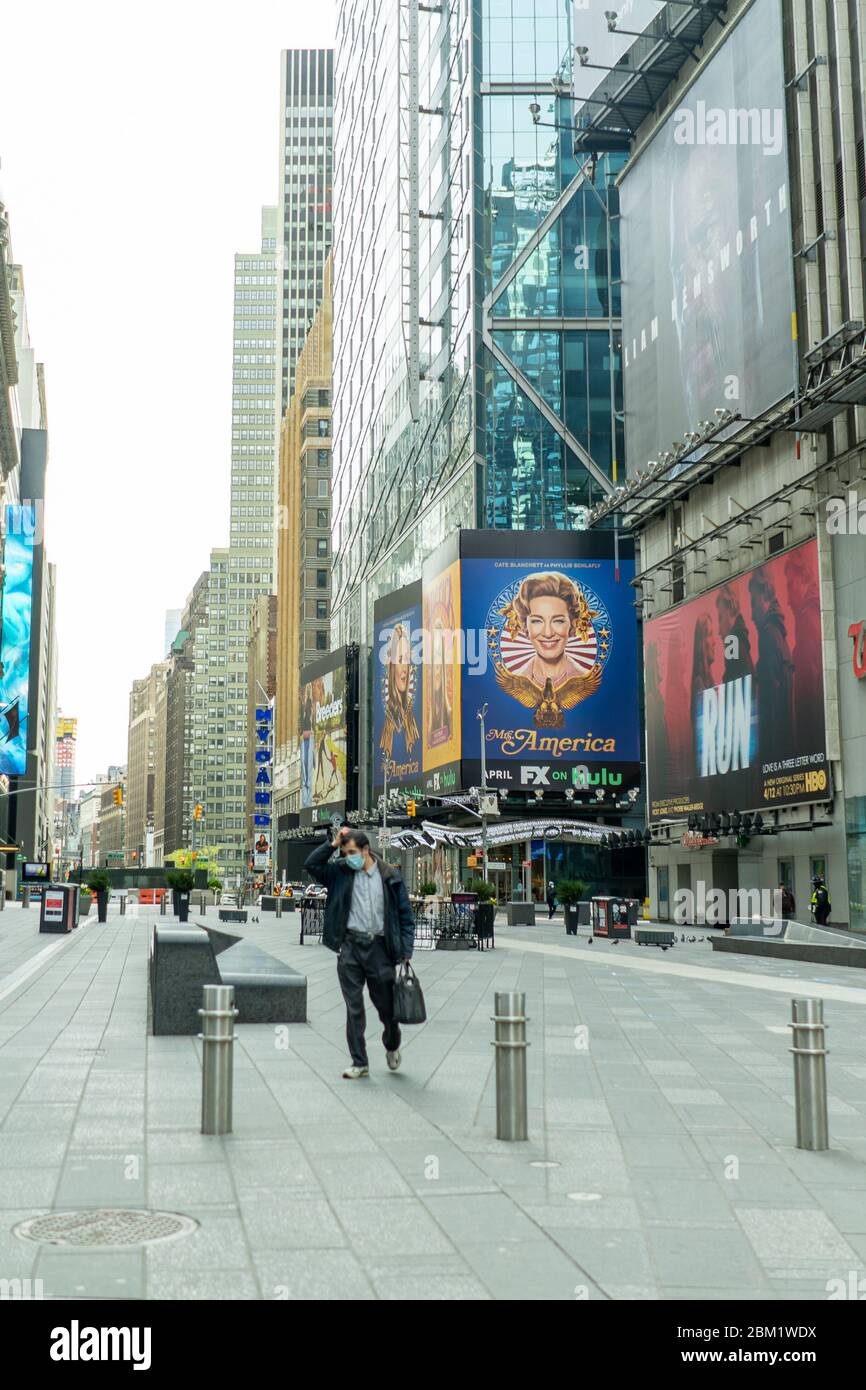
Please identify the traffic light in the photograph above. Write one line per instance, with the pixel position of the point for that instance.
(198, 811)
(411, 809)
(118, 796)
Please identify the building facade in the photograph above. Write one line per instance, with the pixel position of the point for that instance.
(66, 740)
(304, 533)
(477, 331)
(184, 724)
(752, 573)
(142, 809)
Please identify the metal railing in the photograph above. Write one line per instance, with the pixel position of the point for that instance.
(438, 926)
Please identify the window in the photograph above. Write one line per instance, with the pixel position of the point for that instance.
(321, 608)
(321, 548)
(321, 579)
(321, 641)
(322, 517)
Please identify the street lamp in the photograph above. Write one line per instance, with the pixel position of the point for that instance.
(482, 804)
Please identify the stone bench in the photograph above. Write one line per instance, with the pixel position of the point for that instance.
(183, 959)
(233, 914)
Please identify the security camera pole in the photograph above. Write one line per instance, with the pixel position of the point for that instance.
(482, 804)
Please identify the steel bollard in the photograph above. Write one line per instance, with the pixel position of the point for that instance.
(123, 904)
(217, 1075)
(162, 905)
(810, 1073)
(278, 903)
(201, 903)
(510, 1043)
(25, 897)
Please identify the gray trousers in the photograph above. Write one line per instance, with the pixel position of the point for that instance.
(360, 963)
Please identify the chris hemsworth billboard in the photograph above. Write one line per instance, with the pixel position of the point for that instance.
(735, 694)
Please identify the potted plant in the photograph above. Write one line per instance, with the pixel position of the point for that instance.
(570, 891)
(485, 911)
(181, 883)
(85, 898)
(99, 883)
(216, 886)
(428, 888)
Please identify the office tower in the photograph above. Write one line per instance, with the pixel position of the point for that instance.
(66, 739)
(172, 627)
(141, 804)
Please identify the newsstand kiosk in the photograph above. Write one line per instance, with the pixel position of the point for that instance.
(59, 910)
(613, 917)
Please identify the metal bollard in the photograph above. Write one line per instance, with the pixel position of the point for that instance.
(123, 904)
(25, 897)
(201, 903)
(217, 1075)
(162, 905)
(511, 1045)
(810, 1073)
(278, 902)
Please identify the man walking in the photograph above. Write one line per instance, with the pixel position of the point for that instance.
(370, 924)
(551, 899)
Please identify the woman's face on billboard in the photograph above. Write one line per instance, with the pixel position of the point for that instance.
(400, 661)
(548, 626)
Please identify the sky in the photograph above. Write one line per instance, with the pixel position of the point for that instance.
(138, 145)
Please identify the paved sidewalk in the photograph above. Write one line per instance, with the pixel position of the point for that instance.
(660, 1161)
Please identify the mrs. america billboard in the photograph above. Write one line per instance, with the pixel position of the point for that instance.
(556, 664)
(735, 694)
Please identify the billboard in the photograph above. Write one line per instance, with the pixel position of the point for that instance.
(398, 690)
(15, 638)
(707, 294)
(735, 693)
(556, 663)
(441, 668)
(263, 732)
(324, 738)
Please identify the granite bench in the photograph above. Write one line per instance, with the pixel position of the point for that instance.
(183, 959)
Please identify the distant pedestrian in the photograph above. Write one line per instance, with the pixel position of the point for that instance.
(820, 902)
(370, 924)
(789, 906)
(551, 899)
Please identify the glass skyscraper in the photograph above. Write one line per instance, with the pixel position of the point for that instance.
(476, 284)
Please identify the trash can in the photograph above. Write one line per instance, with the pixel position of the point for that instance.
(58, 911)
(613, 917)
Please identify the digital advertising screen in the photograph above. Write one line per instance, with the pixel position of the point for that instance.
(552, 652)
(707, 295)
(735, 694)
(441, 667)
(15, 636)
(398, 690)
(323, 736)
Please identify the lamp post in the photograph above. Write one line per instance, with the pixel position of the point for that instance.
(482, 714)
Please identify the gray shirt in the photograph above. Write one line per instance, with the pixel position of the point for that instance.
(367, 912)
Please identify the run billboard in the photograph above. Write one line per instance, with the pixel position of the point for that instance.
(15, 641)
(734, 692)
(707, 294)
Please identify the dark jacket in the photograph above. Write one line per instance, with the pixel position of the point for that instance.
(337, 877)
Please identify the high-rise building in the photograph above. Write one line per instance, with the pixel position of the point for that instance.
(111, 826)
(304, 209)
(142, 812)
(66, 738)
(184, 725)
(476, 302)
(304, 534)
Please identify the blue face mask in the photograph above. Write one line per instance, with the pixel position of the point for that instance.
(355, 861)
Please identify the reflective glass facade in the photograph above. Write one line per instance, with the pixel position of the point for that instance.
(476, 294)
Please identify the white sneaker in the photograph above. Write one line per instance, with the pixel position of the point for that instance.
(393, 1059)
(354, 1073)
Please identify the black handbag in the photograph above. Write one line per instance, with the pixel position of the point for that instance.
(409, 1004)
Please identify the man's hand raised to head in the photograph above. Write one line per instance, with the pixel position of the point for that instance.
(335, 843)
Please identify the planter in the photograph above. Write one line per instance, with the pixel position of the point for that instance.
(183, 907)
(102, 905)
(521, 914)
(572, 917)
(83, 905)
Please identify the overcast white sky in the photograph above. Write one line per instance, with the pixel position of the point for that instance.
(137, 147)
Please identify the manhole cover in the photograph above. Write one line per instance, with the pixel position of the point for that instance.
(110, 1227)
